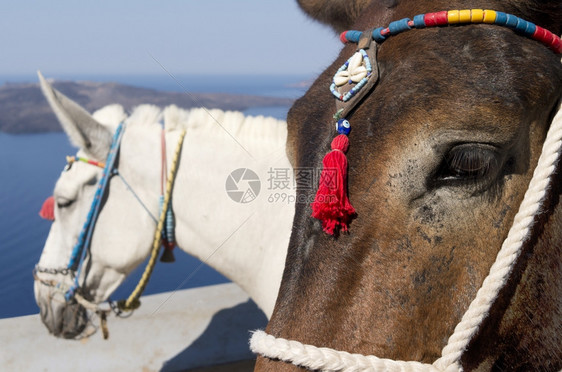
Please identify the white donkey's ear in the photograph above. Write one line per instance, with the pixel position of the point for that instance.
(82, 129)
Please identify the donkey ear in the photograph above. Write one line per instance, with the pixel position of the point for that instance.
(339, 14)
(82, 129)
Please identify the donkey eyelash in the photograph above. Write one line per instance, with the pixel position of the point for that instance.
(63, 202)
(469, 162)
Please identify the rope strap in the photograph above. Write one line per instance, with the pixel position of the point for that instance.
(132, 302)
(135, 195)
(325, 359)
(328, 359)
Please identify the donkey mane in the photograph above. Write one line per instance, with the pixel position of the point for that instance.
(207, 122)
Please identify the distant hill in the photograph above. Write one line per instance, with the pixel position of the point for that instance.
(24, 109)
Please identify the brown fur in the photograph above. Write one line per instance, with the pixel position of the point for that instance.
(400, 281)
(338, 14)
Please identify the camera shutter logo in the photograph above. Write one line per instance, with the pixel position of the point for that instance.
(243, 185)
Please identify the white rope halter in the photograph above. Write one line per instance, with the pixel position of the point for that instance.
(327, 359)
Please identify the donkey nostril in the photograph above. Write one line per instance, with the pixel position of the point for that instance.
(74, 320)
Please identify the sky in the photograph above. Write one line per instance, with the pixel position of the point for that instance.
(144, 36)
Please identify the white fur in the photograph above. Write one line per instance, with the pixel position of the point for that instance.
(110, 116)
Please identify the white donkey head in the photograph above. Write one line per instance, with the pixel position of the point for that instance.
(118, 245)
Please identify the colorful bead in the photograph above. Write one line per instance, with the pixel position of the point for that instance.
(397, 27)
(489, 16)
(343, 127)
(464, 16)
(335, 91)
(521, 26)
(419, 21)
(476, 15)
(377, 35)
(353, 36)
(441, 18)
(544, 36)
(556, 45)
(501, 19)
(511, 21)
(429, 19)
(530, 30)
(540, 34)
(524, 27)
(72, 159)
(366, 61)
(453, 16)
(436, 19)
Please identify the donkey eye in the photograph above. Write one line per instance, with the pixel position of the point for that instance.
(469, 162)
(63, 202)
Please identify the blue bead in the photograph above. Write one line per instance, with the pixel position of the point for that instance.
(343, 126)
(397, 27)
(353, 36)
(419, 21)
(512, 21)
(377, 35)
(521, 26)
(530, 29)
(501, 18)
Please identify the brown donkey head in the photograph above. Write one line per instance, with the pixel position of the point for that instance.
(441, 152)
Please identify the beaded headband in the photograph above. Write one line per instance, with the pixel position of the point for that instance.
(467, 16)
(355, 78)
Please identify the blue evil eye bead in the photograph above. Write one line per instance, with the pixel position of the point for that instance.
(343, 127)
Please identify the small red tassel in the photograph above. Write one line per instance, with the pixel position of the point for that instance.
(48, 209)
(168, 253)
(331, 204)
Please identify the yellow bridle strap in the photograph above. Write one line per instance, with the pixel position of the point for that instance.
(133, 302)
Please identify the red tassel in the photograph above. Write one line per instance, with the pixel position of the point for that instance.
(48, 209)
(168, 253)
(331, 204)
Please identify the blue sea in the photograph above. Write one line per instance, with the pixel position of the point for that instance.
(30, 165)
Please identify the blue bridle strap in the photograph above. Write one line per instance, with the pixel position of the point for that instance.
(80, 250)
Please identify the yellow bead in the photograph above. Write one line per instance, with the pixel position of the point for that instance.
(464, 16)
(477, 15)
(489, 16)
(453, 16)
